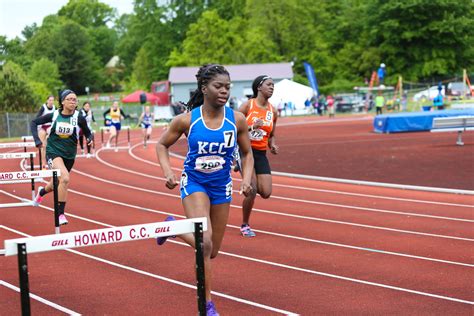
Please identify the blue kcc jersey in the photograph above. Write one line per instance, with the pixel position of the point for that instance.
(210, 151)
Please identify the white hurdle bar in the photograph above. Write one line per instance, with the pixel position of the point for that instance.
(17, 145)
(106, 129)
(17, 155)
(30, 155)
(26, 176)
(31, 139)
(21, 246)
(25, 144)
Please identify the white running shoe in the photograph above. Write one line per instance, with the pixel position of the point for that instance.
(38, 198)
(62, 220)
(88, 156)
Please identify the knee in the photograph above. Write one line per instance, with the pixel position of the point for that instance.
(64, 180)
(265, 194)
(207, 248)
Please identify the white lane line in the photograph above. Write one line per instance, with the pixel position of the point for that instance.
(39, 298)
(165, 279)
(377, 210)
(267, 211)
(333, 192)
(284, 266)
(257, 230)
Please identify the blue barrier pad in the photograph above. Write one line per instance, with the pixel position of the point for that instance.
(412, 121)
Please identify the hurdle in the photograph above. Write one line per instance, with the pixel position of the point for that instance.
(25, 144)
(30, 155)
(22, 246)
(31, 139)
(26, 176)
(106, 129)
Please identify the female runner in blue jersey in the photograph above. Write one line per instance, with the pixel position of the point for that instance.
(146, 121)
(213, 130)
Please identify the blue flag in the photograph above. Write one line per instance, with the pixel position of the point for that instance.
(311, 77)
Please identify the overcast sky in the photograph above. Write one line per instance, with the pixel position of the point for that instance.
(16, 14)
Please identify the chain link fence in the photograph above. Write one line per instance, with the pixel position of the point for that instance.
(14, 125)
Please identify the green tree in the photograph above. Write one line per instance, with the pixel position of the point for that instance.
(29, 31)
(422, 38)
(16, 94)
(46, 72)
(69, 46)
(88, 13)
(14, 50)
(94, 16)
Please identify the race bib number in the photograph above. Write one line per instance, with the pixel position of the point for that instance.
(257, 134)
(64, 130)
(209, 164)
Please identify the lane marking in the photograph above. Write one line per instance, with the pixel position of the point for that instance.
(265, 211)
(162, 278)
(39, 298)
(314, 189)
(257, 230)
(284, 266)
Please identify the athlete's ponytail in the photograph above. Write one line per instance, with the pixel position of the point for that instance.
(203, 76)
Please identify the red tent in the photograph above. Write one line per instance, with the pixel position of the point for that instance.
(135, 97)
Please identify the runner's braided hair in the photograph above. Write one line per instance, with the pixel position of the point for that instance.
(203, 76)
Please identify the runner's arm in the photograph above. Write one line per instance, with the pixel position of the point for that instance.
(179, 125)
(34, 126)
(271, 139)
(243, 141)
(105, 114)
(85, 129)
(40, 112)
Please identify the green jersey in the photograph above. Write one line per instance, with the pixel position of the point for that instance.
(62, 140)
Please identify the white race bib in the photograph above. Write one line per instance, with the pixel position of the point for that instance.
(208, 164)
(257, 134)
(64, 129)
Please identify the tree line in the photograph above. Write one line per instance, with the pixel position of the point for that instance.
(344, 40)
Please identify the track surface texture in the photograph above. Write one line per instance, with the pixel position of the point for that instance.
(322, 247)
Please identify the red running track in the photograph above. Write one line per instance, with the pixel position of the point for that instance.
(321, 247)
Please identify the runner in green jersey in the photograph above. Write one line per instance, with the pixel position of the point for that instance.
(62, 145)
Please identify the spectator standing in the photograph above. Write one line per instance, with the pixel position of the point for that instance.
(379, 103)
(330, 104)
(381, 72)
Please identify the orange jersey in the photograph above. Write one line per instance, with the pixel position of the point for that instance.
(259, 136)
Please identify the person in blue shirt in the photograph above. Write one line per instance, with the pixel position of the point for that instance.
(438, 102)
(213, 131)
(381, 73)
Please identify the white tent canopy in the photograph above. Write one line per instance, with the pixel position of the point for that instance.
(287, 90)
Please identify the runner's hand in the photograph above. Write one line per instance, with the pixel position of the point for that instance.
(257, 123)
(171, 181)
(245, 188)
(274, 149)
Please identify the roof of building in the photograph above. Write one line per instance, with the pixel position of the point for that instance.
(113, 62)
(246, 72)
